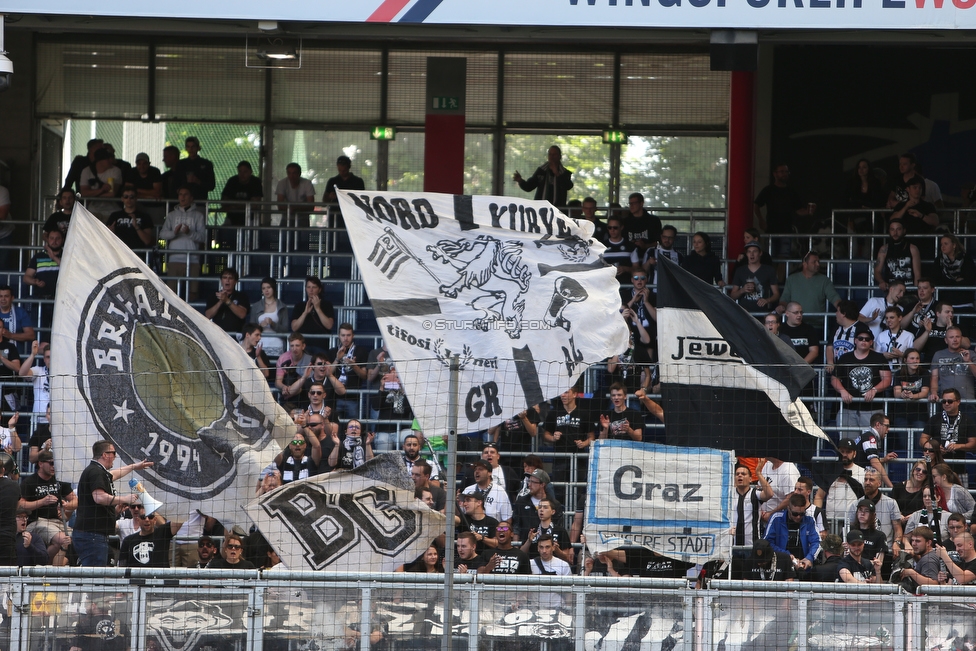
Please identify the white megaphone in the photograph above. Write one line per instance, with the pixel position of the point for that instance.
(151, 505)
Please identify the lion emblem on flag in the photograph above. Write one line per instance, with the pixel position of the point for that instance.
(494, 273)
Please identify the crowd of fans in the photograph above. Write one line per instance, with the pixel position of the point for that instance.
(902, 358)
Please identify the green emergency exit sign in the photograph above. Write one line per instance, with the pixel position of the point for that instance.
(445, 103)
(617, 137)
(382, 133)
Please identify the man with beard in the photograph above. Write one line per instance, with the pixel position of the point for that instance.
(47, 499)
(898, 259)
(926, 570)
(856, 569)
(888, 515)
(497, 503)
(505, 559)
(206, 549)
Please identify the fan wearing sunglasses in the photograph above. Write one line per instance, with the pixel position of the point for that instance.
(953, 431)
(859, 377)
(301, 458)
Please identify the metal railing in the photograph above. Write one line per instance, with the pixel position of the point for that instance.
(173, 609)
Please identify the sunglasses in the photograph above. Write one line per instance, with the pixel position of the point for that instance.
(298, 442)
(864, 338)
(794, 514)
(496, 528)
(234, 547)
(639, 277)
(316, 393)
(948, 401)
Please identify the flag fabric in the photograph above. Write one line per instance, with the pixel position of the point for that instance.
(726, 382)
(676, 501)
(515, 288)
(135, 365)
(361, 520)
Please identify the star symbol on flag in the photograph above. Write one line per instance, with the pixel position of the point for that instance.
(123, 411)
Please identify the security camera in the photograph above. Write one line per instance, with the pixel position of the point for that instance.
(6, 71)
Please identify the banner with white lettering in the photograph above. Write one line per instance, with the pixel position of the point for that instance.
(514, 288)
(747, 14)
(674, 501)
(135, 365)
(362, 520)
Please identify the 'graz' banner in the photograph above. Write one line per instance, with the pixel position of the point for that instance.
(673, 501)
(514, 288)
(362, 520)
(133, 364)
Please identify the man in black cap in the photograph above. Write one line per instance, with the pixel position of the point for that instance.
(764, 564)
(344, 180)
(860, 376)
(474, 520)
(497, 504)
(829, 570)
(856, 569)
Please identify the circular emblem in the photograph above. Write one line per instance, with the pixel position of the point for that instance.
(155, 387)
(106, 629)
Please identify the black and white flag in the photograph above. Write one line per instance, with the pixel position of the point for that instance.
(135, 365)
(726, 382)
(515, 288)
(362, 520)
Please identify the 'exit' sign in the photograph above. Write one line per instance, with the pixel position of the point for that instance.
(614, 137)
(382, 133)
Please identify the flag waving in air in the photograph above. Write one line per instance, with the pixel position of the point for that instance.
(515, 289)
(135, 365)
(726, 382)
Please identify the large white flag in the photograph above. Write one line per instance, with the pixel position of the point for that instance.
(362, 520)
(514, 288)
(134, 364)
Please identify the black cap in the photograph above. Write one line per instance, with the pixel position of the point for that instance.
(854, 536)
(866, 504)
(473, 496)
(481, 462)
(847, 443)
(762, 550)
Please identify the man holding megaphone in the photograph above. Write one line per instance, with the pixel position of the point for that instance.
(98, 504)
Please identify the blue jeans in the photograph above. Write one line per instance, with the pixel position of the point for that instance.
(92, 548)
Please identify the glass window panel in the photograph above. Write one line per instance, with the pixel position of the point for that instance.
(317, 151)
(675, 171)
(332, 86)
(672, 90)
(558, 89)
(92, 80)
(201, 82)
(406, 166)
(478, 163)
